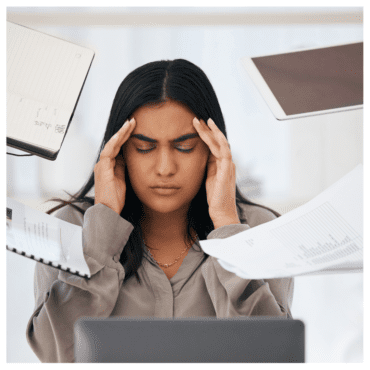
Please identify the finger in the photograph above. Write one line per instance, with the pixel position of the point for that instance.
(224, 144)
(105, 166)
(113, 146)
(232, 170)
(122, 135)
(207, 136)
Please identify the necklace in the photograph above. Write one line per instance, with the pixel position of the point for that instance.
(168, 264)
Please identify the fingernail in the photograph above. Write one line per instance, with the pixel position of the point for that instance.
(132, 120)
(196, 120)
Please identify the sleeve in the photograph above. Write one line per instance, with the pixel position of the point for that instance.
(232, 295)
(61, 298)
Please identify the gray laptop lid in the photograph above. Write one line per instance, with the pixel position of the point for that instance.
(241, 339)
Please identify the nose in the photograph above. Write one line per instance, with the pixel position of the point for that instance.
(165, 163)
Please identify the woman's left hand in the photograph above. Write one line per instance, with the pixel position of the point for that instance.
(220, 182)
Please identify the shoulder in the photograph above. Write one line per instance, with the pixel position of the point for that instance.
(256, 215)
(70, 214)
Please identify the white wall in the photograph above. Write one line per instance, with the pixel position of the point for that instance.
(293, 160)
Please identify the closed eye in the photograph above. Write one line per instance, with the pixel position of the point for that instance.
(149, 150)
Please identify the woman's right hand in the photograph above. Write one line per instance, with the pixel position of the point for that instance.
(109, 172)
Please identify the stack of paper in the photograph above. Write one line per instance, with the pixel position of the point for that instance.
(44, 238)
(322, 236)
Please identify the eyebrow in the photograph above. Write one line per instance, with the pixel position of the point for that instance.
(179, 139)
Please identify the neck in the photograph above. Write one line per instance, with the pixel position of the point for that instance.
(164, 231)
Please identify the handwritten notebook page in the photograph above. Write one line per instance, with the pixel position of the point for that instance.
(44, 78)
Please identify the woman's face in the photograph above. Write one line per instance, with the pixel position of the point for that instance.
(156, 155)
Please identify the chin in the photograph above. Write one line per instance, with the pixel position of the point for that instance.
(164, 205)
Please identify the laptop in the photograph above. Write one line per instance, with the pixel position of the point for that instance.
(310, 81)
(206, 339)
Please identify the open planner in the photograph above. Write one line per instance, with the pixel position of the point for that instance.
(44, 238)
(45, 77)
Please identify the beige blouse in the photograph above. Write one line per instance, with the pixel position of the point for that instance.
(199, 288)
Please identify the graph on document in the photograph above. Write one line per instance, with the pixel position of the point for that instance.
(327, 237)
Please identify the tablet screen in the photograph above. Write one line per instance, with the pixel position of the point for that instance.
(315, 80)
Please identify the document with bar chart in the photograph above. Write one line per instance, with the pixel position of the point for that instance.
(322, 236)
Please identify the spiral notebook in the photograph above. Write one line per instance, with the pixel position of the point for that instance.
(44, 238)
(45, 78)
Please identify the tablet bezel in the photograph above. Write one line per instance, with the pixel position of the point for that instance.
(268, 96)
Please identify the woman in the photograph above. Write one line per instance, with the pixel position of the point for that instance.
(164, 179)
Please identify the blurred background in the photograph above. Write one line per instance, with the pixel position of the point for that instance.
(279, 164)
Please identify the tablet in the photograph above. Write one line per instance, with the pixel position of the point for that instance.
(309, 81)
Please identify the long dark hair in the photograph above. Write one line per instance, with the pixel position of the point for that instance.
(157, 82)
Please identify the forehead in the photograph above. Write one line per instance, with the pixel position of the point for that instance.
(166, 120)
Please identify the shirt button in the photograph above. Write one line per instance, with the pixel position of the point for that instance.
(116, 258)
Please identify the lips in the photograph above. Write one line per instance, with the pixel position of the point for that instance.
(165, 190)
(165, 186)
